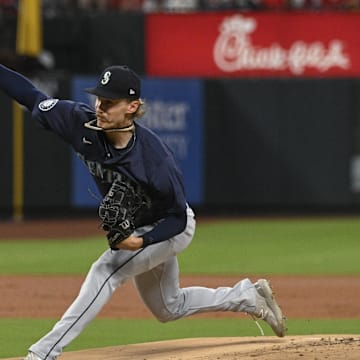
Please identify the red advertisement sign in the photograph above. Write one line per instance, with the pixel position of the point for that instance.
(253, 44)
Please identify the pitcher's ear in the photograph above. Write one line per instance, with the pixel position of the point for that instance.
(133, 106)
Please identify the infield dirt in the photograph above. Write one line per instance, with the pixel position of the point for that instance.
(313, 347)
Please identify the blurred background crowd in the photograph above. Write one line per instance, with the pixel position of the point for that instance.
(53, 8)
(69, 9)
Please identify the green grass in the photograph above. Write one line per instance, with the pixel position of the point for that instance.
(311, 246)
(304, 246)
(55, 256)
(17, 334)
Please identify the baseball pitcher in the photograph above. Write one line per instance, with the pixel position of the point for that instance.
(143, 210)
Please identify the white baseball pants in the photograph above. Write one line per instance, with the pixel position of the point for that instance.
(155, 273)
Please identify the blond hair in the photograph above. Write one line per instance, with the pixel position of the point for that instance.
(140, 110)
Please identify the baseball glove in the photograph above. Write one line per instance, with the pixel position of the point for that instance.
(120, 209)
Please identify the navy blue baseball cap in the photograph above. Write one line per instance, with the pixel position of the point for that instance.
(117, 82)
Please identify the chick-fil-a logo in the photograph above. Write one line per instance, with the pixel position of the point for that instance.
(234, 51)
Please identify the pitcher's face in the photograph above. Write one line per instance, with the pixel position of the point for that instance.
(114, 113)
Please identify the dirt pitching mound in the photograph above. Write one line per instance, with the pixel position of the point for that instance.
(314, 347)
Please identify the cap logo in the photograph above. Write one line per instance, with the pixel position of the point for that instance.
(106, 78)
(131, 91)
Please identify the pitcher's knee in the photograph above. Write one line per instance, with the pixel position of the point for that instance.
(167, 308)
(165, 317)
(167, 314)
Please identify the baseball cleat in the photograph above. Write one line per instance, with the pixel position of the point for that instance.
(267, 308)
(31, 356)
